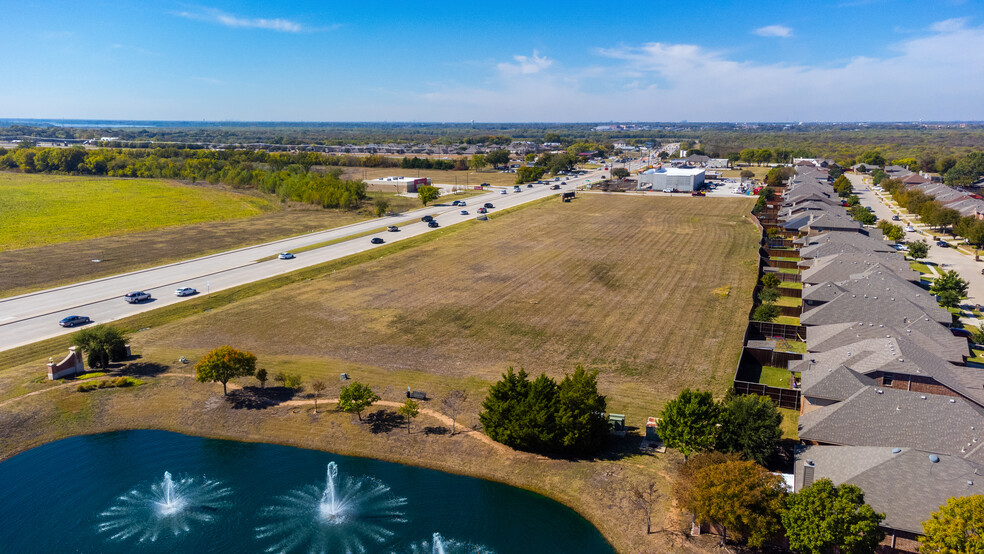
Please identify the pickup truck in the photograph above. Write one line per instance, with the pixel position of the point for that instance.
(136, 297)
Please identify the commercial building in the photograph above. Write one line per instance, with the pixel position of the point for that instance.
(683, 179)
(398, 184)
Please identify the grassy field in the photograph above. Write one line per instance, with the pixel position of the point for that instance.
(438, 177)
(630, 286)
(37, 210)
(759, 171)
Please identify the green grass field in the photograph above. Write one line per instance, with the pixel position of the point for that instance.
(38, 210)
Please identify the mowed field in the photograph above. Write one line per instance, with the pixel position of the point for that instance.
(654, 292)
(38, 210)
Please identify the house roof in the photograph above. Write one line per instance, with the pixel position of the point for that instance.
(851, 307)
(875, 282)
(840, 267)
(903, 483)
(928, 335)
(837, 384)
(829, 244)
(875, 416)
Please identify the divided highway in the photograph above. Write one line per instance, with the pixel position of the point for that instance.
(34, 316)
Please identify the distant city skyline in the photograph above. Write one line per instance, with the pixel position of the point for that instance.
(861, 60)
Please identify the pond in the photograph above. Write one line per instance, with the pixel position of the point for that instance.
(155, 491)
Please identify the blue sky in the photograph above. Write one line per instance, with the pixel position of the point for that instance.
(499, 61)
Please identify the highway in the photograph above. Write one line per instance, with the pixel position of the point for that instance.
(34, 316)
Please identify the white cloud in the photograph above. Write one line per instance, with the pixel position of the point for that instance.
(526, 65)
(937, 76)
(949, 25)
(774, 31)
(222, 18)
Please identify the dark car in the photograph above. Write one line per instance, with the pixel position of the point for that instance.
(376, 240)
(392, 228)
(555, 187)
(529, 186)
(942, 244)
(73, 320)
(960, 332)
(455, 203)
(427, 218)
(433, 223)
(896, 217)
(489, 205)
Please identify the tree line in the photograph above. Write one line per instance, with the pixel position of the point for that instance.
(289, 176)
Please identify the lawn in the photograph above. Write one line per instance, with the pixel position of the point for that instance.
(787, 320)
(38, 210)
(631, 293)
(790, 285)
(789, 301)
(759, 171)
(766, 375)
(921, 268)
(790, 423)
(788, 270)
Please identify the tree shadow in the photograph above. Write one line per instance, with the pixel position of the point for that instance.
(255, 398)
(383, 421)
(143, 369)
(436, 430)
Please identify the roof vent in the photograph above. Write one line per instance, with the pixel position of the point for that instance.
(934, 458)
(809, 462)
(922, 396)
(901, 360)
(875, 298)
(896, 450)
(879, 391)
(970, 483)
(953, 401)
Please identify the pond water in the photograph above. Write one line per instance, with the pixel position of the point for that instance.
(155, 491)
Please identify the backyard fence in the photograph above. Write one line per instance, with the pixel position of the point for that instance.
(784, 398)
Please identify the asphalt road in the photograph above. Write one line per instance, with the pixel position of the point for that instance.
(32, 317)
(945, 258)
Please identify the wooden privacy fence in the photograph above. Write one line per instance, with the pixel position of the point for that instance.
(767, 329)
(784, 398)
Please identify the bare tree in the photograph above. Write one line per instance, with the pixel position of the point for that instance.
(318, 387)
(452, 404)
(646, 496)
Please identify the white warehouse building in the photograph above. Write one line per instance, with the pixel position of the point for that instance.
(684, 179)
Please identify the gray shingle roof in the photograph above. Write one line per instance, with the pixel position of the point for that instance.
(837, 384)
(907, 486)
(850, 307)
(873, 283)
(928, 335)
(840, 267)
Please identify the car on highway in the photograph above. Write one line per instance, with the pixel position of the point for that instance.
(427, 218)
(555, 187)
(910, 229)
(392, 228)
(482, 210)
(136, 297)
(668, 191)
(456, 203)
(489, 205)
(73, 320)
(503, 191)
(896, 217)
(286, 256)
(942, 244)
(376, 240)
(529, 186)
(462, 203)
(557, 178)
(185, 291)
(433, 223)
(463, 212)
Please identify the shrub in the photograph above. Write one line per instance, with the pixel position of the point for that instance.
(766, 312)
(769, 295)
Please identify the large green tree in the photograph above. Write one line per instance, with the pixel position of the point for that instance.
(356, 397)
(950, 288)
(750, 425)
(824, 519)
(224, 363)
(581, 424)
(918, 249)
(956, 527)
(101, 345)
(498, 157)
(690, 422)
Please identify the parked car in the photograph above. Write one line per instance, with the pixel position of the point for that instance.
(910, 229)
(463, 212)
(286, 256)
(489, 205)
(433, 223)
(960, 332)
(427, 218)
(136, 297)
(376, 240)
(185, 291)
(942, 244)
(896, 217)
(668, 191)
(698, 193)
(901, 247)
(73, 320)
(392, 228)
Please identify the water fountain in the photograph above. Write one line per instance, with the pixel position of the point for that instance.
(164, 507)
(342, 516)
(441, 545)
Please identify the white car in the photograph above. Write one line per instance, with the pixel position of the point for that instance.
(910, 229)
(901, 248)
(286, 256)
(185, 291)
